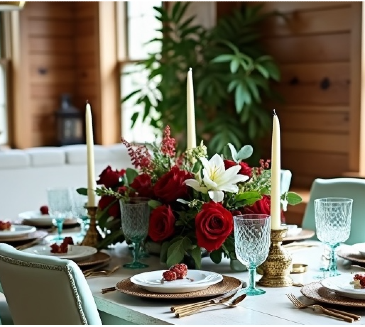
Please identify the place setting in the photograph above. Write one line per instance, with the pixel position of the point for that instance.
(333, 221)
(42, 219)
(18, 235)
(196, 284)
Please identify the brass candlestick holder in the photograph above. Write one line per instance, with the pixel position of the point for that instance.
(92, 237)
(276, 268)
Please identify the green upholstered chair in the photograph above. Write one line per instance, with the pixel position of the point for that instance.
(353, 188)
(45, 290)
(285, 180)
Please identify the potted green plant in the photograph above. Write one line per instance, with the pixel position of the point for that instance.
(231, 74)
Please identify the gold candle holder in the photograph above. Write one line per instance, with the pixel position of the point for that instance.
(277, 266)
(92, 237)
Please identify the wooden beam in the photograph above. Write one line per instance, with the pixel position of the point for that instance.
(110, 115)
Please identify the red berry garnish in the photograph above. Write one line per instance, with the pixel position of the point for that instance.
(169, 275)
(181, 270)
(44, 210)
(5, 225)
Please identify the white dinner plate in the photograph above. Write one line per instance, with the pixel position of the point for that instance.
(342, 285)
(360, 247)
(36, 218)
(17, 230)
(293, 230)
(75, 252)
(194, 281)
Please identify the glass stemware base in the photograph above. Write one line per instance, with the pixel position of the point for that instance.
(251, 288)
(136, 264)
(58, 222)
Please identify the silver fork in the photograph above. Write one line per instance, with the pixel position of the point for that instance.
(349, 317)
(105, 272)
(229, 302)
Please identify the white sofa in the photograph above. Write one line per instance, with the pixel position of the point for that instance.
(26, 174)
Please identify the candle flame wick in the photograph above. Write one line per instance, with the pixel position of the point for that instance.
(190, 69)
(274, 112)
(87, 101)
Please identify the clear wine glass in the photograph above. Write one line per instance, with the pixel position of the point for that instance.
(252, 243)
(78, 202)
(333, 224)
(59, 207)
(135, 215)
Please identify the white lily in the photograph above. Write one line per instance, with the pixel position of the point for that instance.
(216, 179)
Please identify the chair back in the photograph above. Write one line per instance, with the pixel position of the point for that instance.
(45, 290)
(285, 180)
(353, 188)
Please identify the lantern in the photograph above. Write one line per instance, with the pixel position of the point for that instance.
(70, 123)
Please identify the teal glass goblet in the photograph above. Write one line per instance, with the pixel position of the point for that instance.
(333, 224)
(78, 203)
(135, 215)
(59, 207)
(252, 243)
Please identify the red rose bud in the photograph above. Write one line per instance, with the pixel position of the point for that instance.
(213, 225)
(171, 186)
(143, 185)
(262, 206)
(245, 168)
(110, 177)
(44, 210)
(162, 223)
(106, 200)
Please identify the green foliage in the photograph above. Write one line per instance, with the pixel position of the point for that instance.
(231, 76)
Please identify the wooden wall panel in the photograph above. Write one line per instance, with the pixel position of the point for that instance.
(51, 45)
(322, 122)
(51, 28)
(309, 48)
(87, 60)
(306, 164)
(61, 47)
(310, 22)
(296, 6)
(312, 45)
(44, 105)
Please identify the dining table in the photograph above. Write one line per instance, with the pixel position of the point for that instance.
(271, 308)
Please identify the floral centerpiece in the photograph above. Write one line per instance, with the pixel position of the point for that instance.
(193, 197)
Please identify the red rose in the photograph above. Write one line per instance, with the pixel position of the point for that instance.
(262, 206)
(213, 225)
(171, 186)
(106, 200)
(245, 168)
(162, 223)
(110, 177)
(143, 185)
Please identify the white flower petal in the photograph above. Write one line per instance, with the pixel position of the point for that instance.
(229, 188)
(196, 185)
(207, 181)
(192, 183)
(216, 196)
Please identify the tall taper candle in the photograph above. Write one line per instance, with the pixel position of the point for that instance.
(190, 112)
(91, 182)
(275, 174)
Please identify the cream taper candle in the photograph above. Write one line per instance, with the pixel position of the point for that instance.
(191, 142)
(91, 182)
(275, 174)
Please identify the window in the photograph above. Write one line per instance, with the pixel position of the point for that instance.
(136, 26)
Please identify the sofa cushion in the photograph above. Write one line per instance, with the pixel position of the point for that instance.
(77, 154)
(46, 156)
(119, 156)
(14, 159)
